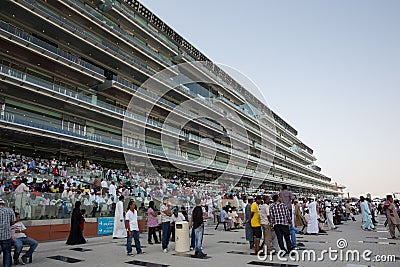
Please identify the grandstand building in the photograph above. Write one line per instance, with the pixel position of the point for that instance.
(69, 69)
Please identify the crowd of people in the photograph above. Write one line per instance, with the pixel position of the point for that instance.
(36, 188)
(278, 221)
(160, 220)
(44, 192)
(389, 207)
(275, 219)
(279, 217)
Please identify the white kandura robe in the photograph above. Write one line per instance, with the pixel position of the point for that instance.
(329, 218)
(119, 226)
(312, 225)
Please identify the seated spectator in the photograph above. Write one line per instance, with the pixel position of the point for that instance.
(20, 239)
(104, 186)
(237, 221)
(224, 219)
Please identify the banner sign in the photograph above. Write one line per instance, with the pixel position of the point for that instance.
(105, 225)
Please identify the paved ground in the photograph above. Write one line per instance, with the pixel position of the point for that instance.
(104, 251)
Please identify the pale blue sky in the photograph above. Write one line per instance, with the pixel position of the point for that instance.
(329, 68)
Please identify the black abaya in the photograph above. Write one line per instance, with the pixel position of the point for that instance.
(75, 235)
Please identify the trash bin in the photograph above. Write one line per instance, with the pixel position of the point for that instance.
(182, 240)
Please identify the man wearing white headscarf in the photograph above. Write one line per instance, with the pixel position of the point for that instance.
(329, 215)
(119, 223)
(312, 225)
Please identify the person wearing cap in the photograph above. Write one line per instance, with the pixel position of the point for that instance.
(165, 223)
(7, 217)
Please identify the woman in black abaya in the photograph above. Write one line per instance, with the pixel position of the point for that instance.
(75, 235)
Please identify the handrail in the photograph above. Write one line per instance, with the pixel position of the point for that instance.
(104, 21)
(157, 150)
(27, 37)
(83, 32)
(34, 80)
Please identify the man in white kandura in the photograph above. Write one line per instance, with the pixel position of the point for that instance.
(312, 225)
(119, 224)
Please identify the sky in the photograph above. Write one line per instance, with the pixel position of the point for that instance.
(331, 69)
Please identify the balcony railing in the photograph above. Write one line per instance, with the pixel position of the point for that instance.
(114, 27)
(53, 125)
(37, 81)
(22, 76)
(142, 23)
(105, 45)
(29, 38)
(116, 50)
